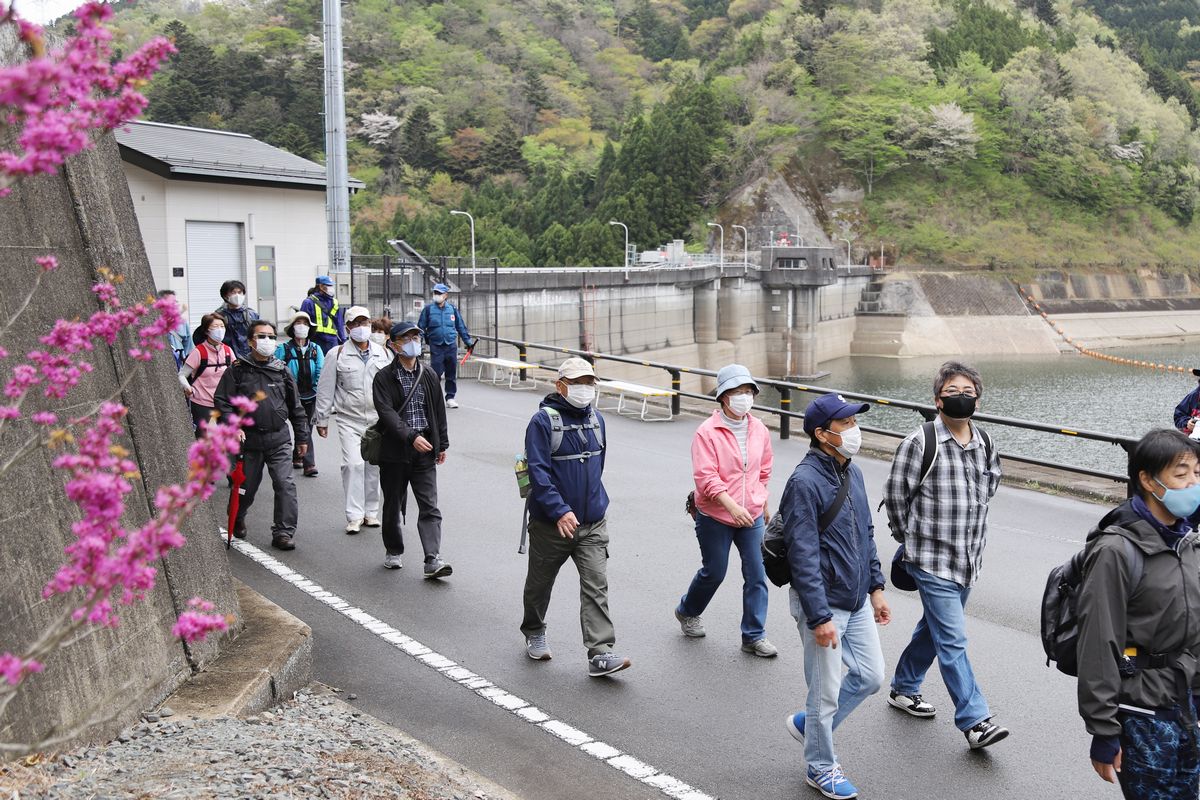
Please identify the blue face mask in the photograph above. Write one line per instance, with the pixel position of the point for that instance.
(1180, 502)
(411, 349)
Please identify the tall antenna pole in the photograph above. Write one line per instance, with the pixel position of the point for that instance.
(337, 178)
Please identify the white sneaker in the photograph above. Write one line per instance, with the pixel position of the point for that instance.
(371, 522)
(451, 403)
(354, 526)
(393, 561)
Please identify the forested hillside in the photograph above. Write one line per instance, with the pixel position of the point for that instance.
(958, 131)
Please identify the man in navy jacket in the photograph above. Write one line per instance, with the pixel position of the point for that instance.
(567, 504)
(835, 572)
(1188, 409)
(443, 324)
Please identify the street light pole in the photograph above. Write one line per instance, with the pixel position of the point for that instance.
(745, 249)
(721, 228)
(625, 260)
(472, 221)
(847, 241)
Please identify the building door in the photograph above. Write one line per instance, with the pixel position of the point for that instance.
(214, 255)
(264, 269)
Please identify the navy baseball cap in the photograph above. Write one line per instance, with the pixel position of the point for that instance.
(828, 407)
(403, 327)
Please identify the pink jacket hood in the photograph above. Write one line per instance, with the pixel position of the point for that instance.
(717, 467)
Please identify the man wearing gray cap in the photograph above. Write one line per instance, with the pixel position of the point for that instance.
(344, 393)
(564, 448)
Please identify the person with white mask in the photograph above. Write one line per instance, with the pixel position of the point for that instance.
(731, 468)
(836, 593)
(344, 392)
(237, 315)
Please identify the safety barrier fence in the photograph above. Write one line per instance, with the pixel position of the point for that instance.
(786, 415)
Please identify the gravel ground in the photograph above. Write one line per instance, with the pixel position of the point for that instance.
(313, 746)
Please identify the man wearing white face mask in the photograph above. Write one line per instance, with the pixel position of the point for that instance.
(837, 585)
(237, 316)
(344, 392)
(564, 448)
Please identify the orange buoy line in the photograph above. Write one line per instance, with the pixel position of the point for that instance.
(1130, 362)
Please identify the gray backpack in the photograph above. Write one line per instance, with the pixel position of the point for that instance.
(557, 431)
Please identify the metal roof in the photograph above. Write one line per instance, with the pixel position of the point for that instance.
(182, 153)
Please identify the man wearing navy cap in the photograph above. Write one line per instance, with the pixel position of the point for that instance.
(1188, 411)
(442, 324)
(835, 572)
(328, 318)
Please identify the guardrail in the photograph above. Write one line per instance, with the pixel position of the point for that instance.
(786, 415)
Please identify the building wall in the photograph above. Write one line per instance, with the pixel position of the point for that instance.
(290, 220)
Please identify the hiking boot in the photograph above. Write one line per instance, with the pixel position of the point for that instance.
(437, 568)
(371, 522)
(762, 648)
(536, 647)
(606, 664)
(984, 734)
(392, 561)
(691, 626)
(831, 783)
(451, 402)
(239, 530)
(353, 526)
(311, 472)
(795, 725)
(282, 542)
(911, 704)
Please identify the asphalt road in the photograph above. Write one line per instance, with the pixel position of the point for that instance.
(698, 710)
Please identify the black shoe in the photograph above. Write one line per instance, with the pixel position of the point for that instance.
(239, 530)
(984, 733)
(297, 464)
(311, 472)
(282, 542)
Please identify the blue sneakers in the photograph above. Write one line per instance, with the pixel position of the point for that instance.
(831, 783)
(795, 726)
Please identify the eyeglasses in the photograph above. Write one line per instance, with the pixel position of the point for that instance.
(270, 336)
(957, 393)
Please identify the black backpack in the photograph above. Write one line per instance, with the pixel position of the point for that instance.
(774, 547)
(203, 365)
(1060, 606)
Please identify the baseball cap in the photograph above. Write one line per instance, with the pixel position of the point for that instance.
(441, 288)
(575, 367)
(403, 327)
(354, 312)
(829, 407)
(324, 280)
(1196, 372)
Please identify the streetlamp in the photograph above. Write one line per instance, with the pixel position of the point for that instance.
(625, 260)
(847, 241)
(745, 249)
(721, 228)
(472, 220)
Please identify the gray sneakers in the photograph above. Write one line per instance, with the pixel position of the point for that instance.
(691, 626)
(393, 561)
(437, 568)
(603, 664)
(762, 648)
(536, 647)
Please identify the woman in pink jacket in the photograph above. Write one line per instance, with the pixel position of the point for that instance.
(731, 464)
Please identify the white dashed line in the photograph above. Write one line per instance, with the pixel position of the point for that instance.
(520, 708)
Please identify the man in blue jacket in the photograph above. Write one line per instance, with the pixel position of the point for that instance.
(443, 325)
(835, 572)
(1188, 410)
(564, 448)
(329, 319)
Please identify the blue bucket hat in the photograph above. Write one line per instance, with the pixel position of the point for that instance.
(324, 280)
(731, 376)
(441, 288)
(829, 407)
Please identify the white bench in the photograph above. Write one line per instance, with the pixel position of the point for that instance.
(505, 368)
(623, 388)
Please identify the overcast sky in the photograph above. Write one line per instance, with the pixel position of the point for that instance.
(43, 11)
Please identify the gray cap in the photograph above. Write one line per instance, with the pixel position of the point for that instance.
(732, 376)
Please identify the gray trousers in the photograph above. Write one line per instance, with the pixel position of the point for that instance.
(589, 550)
(395, 479)
(278, 462)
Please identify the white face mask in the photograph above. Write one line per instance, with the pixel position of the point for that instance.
(411, 349)
(439, 298)
(851, 442)
(580, 395)
(361, 333)
(216, 334)
(740, 404)
(265, 347)
(236, 300)
(300, 331)
(378, 337)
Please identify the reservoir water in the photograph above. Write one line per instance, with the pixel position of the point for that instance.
(1072, 391)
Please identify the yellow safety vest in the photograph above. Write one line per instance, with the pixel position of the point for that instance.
(329, 325)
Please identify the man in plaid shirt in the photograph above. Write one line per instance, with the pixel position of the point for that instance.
(943, 520)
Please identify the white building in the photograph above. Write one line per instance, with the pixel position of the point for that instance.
(214, 206)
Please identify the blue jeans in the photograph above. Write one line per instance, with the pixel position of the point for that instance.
(831, 697)
(715, 538)
(1159, 759)
(942, 634)
(444, 360)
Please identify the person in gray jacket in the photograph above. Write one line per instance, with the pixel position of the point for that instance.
(1139, 627)
(263, 377)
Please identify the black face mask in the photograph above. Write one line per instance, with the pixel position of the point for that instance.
(958, 406)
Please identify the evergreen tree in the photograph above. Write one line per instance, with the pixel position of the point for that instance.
(195, 61)
(503, 153)
(416, 142)
(535, 91)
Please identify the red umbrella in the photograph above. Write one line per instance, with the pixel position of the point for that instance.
(237, 478)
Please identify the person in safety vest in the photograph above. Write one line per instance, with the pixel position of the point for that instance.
(329, 325)
(442, 324)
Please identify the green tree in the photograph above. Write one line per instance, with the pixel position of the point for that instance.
(503, 153)
(416, 142)
(994, 34)
(862, 131)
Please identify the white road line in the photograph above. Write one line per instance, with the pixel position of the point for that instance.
(520, 708)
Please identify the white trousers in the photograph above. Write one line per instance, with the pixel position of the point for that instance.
(360, 480)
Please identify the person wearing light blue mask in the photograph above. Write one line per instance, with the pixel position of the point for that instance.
(1139, 626)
